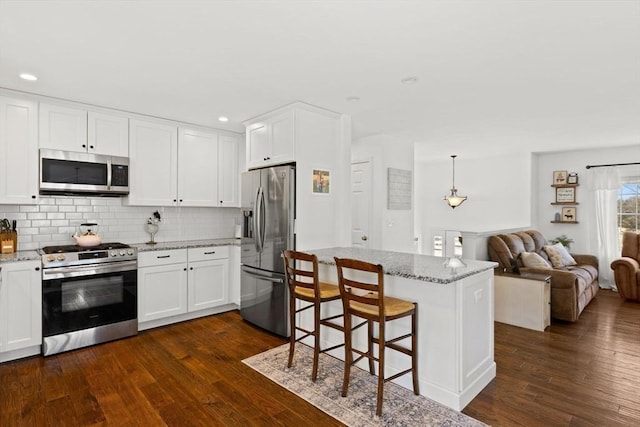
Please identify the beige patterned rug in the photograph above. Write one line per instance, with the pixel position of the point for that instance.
(400, 407)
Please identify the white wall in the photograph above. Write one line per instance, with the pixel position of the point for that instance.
(498, 188)
(575, 161)
(54, 219)
(391, 230)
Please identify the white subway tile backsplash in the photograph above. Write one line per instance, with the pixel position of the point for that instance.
(54, 219)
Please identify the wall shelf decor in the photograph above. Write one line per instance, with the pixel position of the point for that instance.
(566, 196)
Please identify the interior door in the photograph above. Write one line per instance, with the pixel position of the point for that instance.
(361, 187)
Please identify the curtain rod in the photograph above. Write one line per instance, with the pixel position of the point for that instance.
(612, 164)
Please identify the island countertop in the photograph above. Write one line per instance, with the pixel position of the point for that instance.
(412, 266)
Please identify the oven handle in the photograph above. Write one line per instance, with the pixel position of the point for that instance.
(87, 270)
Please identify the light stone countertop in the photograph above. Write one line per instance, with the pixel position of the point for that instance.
(19, 256)
(185, 244)
(411, 266)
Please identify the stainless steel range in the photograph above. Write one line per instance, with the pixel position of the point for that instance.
(89, 295)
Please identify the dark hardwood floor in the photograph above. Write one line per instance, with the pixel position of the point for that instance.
(574, 374)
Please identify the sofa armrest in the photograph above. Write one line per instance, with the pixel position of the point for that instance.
(582, 259)
(560, 279)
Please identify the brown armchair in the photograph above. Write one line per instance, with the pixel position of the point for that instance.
(626, 270)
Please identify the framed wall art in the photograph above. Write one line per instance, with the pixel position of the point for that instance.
(559, 177)
(569, 215)
(321, 181)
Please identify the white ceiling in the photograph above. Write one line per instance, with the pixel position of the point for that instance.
(493, 75)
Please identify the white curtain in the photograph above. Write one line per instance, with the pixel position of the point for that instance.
(604, 183)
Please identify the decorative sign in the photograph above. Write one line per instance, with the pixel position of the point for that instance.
(398, 189)
(565, 195)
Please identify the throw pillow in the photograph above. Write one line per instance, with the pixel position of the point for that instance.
(559, 255)
(533, 260)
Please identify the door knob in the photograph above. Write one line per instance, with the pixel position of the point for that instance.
(364, 237)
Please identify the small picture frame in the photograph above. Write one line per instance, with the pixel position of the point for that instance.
(321, 181)
(569, 215)
(559, 177)
(572, 178)
(565, 195)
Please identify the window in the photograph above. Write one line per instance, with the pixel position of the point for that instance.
(629, 206)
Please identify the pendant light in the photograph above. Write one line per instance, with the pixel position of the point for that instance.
(453, 199)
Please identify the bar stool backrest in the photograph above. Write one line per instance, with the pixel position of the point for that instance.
(301, 270)
(361, 282)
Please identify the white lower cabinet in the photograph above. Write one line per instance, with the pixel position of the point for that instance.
(181, 284)
(162, 284)
(20, 309)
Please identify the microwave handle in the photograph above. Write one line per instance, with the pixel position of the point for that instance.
(109, 173)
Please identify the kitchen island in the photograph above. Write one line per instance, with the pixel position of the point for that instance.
(455, 319)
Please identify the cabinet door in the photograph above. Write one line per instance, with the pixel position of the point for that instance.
(258, 145)
(282, 138)
(208, 284)
(63, 128)
(153, 165)
(18, 151)
(162, 291)
(228, 174)
(108, 134)
(197, 168)
(20, 305)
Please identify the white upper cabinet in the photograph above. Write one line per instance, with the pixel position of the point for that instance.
(183, 166)
(228, 171)
(271, 141)
(153, 165)
(108, 134)
(63, 128)
(197, 168)
(18, 151)
(72, 129)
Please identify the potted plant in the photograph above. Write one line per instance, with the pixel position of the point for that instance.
(563, 240)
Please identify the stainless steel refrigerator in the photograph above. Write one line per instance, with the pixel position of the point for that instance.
(268, 207)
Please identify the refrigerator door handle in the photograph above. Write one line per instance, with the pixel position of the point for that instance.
(261, 277)
(256, 220)
(263, 219)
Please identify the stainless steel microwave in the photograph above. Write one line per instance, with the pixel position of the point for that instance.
(67, 172)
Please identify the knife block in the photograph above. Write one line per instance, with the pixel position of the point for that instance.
(8, 242)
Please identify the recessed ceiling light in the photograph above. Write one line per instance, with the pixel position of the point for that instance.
(353, 99)
(29, 77)
(409, 80)
(223, 119)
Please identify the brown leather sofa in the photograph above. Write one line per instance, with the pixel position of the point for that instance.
(572, 287)
(626, 270)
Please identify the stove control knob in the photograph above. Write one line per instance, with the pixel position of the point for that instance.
(50, 258)
(122, 252)
(129, 251)
(113, 253)
(60, 257)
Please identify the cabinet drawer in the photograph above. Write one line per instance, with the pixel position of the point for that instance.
(210, 252)
(170, 256)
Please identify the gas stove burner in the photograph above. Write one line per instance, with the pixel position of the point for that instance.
(76, 248)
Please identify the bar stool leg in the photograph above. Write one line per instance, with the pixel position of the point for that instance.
(370, 346)
(292, 332)
(381, 347)
(414, 350)
(316, 340)
(348, 357)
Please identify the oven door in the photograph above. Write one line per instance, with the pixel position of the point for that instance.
(83, 297)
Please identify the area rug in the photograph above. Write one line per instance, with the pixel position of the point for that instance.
(400, 407)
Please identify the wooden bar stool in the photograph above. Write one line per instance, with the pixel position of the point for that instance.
(304, 285)
(365, 299)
